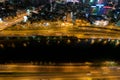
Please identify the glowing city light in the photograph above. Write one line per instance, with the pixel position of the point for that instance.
(91, 0)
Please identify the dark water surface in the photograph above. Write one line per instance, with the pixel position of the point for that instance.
(57, 49)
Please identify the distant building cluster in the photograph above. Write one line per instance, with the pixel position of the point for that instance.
(107, 10)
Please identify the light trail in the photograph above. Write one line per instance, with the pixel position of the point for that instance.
(36, 72)
(9, 23)
(107, 32)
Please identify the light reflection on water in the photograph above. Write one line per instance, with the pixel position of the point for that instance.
(61, 72)
(57, 78)
(40, 78)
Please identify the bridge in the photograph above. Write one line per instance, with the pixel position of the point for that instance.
(107, 32)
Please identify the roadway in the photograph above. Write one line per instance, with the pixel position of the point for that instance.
(51, 72)
(107, 32)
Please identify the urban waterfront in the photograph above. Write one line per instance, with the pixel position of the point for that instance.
(59, 40)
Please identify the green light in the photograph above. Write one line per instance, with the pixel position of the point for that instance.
(91, 0)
